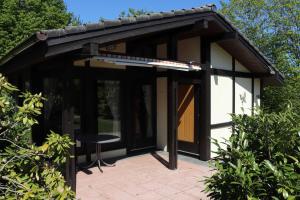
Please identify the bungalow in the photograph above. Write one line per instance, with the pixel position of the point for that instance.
(164, 81)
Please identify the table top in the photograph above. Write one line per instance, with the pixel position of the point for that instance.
(98, 139)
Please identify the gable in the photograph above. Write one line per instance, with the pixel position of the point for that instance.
(202, 20)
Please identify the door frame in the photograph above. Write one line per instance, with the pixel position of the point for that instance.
(192, 149)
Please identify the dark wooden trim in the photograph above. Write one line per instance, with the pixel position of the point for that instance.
(225, 36)
(91, 49)
(221, 125)
(187, 19)
(205, 100)
(68, 126)
(172, 103)
(71, 43)
(172, 119)
(222, 72)
(201, 24)
(252, 92)
(162, 74)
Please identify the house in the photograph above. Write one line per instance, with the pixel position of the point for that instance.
(164, 80)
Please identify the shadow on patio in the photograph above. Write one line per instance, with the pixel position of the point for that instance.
(144, 176)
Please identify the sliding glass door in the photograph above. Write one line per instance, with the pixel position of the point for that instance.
(142, 133)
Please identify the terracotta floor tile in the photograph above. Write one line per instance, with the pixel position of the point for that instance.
(150, 196)
(143, 177)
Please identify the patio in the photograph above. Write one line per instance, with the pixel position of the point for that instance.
(144, 177)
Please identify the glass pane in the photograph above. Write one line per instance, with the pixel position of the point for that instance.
(108, 106)
(53, 105)
(147, 94)
(76, 103)
(143, 111)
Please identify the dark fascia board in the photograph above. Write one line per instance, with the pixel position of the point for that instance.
(56, 46)
(24, 45)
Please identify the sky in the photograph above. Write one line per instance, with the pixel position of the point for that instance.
(93, 10)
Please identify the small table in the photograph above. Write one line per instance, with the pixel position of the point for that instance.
(98, 140)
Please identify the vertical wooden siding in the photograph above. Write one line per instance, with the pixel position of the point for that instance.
(186, 113)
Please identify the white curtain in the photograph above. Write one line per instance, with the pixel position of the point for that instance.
(112, 92)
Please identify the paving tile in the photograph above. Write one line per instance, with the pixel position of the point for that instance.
(143, 177)
(166, 191)
(151, 195)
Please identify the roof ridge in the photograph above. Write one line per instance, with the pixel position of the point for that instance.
(108, 23)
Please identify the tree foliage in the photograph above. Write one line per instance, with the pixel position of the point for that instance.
(19, 19)
(261, 159)
(273, 26)
(133, 12)
(28, 171)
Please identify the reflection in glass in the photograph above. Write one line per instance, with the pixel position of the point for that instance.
(143, 111)
(108, 107)
(53, 105)
(76, 94)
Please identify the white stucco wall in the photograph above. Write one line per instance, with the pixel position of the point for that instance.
(239, 67)
(219, 134)
(189, 49)
(220, 59)
(221, 99)
(162, 113)
(257, 92)
(243, 96)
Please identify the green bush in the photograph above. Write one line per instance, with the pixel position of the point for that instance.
(28, 171)
(260, 160)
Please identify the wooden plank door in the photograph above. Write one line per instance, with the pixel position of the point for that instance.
(187, 118)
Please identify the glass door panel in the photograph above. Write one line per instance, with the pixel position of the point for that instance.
(108, 107)
(142, 105)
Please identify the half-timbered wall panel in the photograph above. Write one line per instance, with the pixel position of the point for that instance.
(220, 134)
(243, 95)
(162, 113)
(220, 59)
(239, 67)
(189, 49)
(221, 99)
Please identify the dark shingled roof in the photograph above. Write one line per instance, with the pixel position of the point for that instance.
(105, 24)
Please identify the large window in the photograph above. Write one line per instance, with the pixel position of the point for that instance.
(108, 107)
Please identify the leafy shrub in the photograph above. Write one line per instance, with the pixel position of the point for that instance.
(260, 160)
(28, 171)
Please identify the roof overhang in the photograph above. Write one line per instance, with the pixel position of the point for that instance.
(210, 23)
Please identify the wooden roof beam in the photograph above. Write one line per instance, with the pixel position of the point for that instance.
(225, 36)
